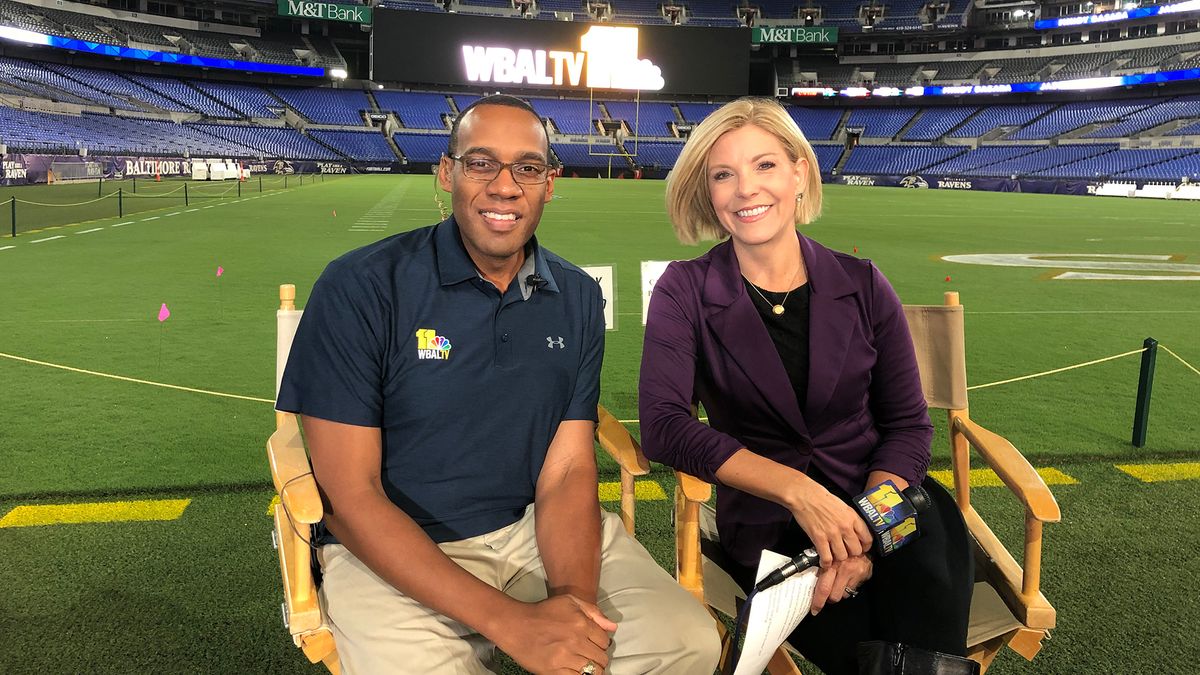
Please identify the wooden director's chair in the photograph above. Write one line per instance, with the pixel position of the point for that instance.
(1007, 607)
(299, 507)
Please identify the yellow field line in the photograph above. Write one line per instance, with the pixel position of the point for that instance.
(1155, 473)
(135, 380)
(988, 478)
(101, 512)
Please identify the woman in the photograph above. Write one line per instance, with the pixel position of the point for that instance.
(802, 359)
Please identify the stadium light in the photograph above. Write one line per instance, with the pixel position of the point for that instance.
(338, 73)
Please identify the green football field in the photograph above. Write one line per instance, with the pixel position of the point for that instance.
(197, 590)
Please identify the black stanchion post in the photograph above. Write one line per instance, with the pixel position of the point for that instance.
(285, 181)
(100, 187)
(13, 204)
(185, 195)
(260, 183)
(1141, 413)
(120, 204)
(239, 188)
(135, 185)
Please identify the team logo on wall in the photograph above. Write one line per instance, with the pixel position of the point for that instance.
(1093, 266)
(608, 60)
(914, 182)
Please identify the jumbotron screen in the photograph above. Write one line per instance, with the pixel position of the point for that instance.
(455, 49)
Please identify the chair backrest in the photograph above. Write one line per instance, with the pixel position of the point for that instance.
(938, 339)
(287, 319)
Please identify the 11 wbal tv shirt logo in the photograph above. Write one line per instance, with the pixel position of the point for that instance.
(609, 57)
(430, 345)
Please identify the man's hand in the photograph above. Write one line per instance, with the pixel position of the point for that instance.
(833, 581)
(558, 635)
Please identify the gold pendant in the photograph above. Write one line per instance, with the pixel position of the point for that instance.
(777, 310)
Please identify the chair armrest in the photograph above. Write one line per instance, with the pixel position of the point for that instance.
(1013, 469)
(616, 440)
(292, 473)
(693, 489)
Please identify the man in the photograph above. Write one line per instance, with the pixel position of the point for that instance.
(447, 380)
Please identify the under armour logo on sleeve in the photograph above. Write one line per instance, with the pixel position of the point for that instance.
(551, 343)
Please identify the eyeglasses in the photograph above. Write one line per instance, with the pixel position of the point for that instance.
(485, 169)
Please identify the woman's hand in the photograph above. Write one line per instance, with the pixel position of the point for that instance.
(836, 530)
(833, 581)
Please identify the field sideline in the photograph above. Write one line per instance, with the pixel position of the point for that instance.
(198, 593)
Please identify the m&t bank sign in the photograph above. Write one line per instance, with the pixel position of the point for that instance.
(328, 11)
(794, 35)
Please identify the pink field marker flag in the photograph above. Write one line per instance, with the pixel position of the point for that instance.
(220, 270)
(163, 313)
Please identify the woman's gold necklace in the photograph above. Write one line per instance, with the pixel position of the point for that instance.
(776, 309)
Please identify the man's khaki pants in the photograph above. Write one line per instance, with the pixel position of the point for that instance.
(660, 627)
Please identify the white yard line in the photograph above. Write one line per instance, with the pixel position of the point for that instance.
(38, 241)
(168, 215)
(128, 222)
(5, 248)
(151, 218)
(94, 229)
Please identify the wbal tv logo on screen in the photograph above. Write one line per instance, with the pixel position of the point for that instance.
(608, 60)
(329, 11)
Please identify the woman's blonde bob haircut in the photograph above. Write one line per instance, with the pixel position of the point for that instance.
(689, 204)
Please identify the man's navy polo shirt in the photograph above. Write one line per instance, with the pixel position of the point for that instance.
(467, 386)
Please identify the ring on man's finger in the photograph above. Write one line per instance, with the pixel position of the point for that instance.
(588, 669)
(851, 593)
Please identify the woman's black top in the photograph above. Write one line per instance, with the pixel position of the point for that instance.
(789, 331)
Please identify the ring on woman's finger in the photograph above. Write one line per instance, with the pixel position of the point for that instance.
(588, 669)
(851, 593)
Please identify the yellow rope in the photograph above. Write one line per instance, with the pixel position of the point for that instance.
(1180, 358)
(1057, 370)
(135, 380)
(90, 201)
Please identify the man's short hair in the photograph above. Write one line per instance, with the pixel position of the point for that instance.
(496, 99)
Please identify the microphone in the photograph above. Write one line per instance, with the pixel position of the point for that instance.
(891, 516)
(535, 282)
(808, 558)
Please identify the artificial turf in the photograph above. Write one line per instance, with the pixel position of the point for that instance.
(200, 594)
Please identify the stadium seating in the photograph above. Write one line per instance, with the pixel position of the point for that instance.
(967, 163)
(656, 153)
(1074, 115)
(247, 100)
(995, 117)
(327, 106)
(422, 147)
(1117, 163)
(827, 156)
(937, 122)
(370, 146)
(1149, 117)
(416, 110)
(818, 124)
(891, 160)
(570, 116)
(1039, 161)
(653, 119)
(187, 95)
(270, 142)
(880, 122)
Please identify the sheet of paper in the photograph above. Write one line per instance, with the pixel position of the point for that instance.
(774, 614)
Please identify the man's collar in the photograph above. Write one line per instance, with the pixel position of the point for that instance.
(455, 264)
